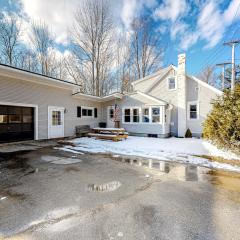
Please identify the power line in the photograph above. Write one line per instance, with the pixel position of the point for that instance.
(232, 44)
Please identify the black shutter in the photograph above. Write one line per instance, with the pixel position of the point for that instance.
(79, 112)
(95, 112)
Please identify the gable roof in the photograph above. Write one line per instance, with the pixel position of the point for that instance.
(152, 98)
(159, 73)
(162, 73)
(205, 84)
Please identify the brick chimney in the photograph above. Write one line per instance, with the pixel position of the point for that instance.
(182, 98)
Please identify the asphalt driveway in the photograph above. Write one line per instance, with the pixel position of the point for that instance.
(51, 194)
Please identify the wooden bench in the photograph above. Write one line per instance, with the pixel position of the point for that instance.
(112, 137)
(82, 130)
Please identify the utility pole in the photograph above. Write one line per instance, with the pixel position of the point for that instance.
(223, 72)
(233, 44)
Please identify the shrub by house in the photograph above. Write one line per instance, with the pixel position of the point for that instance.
(222, 125)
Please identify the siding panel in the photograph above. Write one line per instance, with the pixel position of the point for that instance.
(18, 91)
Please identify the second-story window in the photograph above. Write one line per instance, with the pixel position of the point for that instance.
(172, 83)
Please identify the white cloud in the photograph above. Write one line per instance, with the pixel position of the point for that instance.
(162, 29)
(210, 24)
(171, 10)
(58, 14)
(129, 9)
(178, 28)
(132, 8)
(188, 40)
(211, 21)
(231, 12)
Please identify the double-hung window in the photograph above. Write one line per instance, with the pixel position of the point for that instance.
(172, 83)
(145, 115)
(111, 113)
(127, 115)
(87, 112)
(135, 115)
(193, 110)
(155, 114)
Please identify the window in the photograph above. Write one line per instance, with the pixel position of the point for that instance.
(87, 112)
(111, 113)
(135, 115)
(193, 111)
(172, 83)
(145, 113)
(3, 118)
(14, 118)
(79, 111)
(155, 114)
(127, 115)
(56, 118)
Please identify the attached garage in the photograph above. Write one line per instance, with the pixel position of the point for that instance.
(17, 123)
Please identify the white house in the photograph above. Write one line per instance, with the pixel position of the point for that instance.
(165, 103)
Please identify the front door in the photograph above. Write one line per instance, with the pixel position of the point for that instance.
(110, 118)
(55, 122)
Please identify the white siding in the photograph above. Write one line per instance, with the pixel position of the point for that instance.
(18, 91)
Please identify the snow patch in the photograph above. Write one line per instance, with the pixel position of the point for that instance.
(168, 149)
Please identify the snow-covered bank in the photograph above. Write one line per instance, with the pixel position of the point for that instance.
(170, 149)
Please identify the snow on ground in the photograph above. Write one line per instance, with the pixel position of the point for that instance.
(168, 149)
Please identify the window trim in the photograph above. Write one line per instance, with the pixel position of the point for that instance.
(144, 115)
(123, 115)
(173, 89)
(87, 108)
(158, 115)
(139, 115)
(188, 110)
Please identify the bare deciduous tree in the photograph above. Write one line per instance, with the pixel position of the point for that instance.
(146, 48)
(92, 36)
(207, 75)
(10, 30)
(124, 75)
(27, 60)
(42, 40)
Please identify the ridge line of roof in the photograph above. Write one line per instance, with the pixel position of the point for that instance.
(151, 75)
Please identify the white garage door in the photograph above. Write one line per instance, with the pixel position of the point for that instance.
(55, 122)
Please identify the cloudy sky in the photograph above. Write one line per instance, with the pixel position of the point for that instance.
(196, 27)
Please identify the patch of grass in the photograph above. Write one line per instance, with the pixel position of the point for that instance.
(220, 160)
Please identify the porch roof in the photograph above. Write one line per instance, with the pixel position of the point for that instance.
(107, 98)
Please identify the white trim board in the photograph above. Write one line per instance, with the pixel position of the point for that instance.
(188, 110)
(35, 114)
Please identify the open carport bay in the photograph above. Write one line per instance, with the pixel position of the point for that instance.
(52, 194)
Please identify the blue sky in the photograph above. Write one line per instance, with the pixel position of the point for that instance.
(195, 27)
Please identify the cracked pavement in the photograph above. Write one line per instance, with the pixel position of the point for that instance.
(42, 199)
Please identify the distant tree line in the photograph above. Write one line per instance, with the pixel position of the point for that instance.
(101, 59)
(209, 75)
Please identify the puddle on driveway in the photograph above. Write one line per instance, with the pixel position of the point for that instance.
(186, 172)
